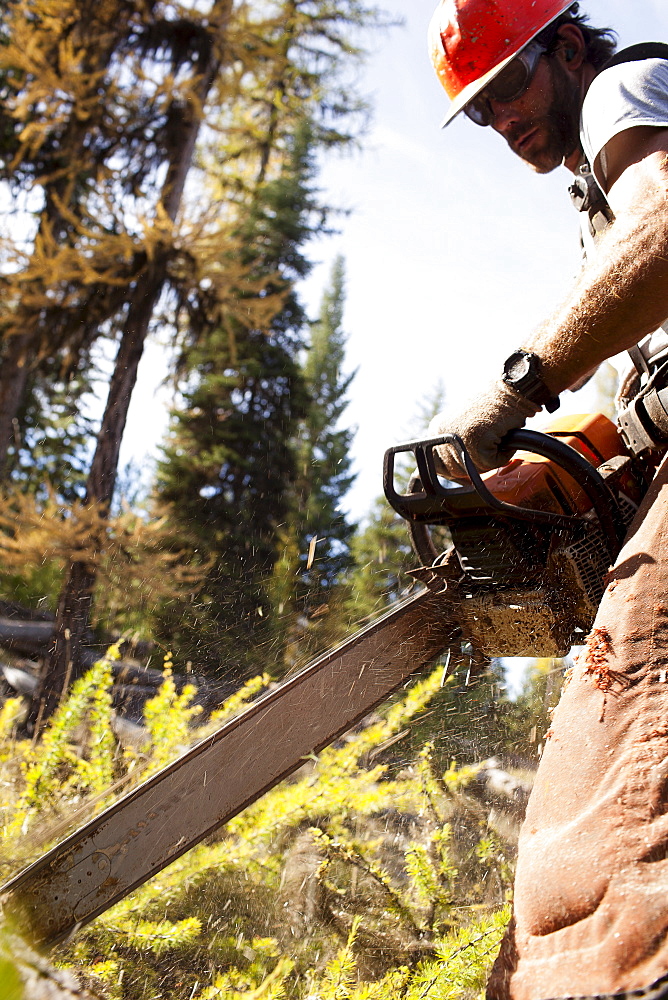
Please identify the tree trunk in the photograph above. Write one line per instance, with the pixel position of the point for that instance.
(13, 378)
(74, 608)
(104, 467)
(64, 663)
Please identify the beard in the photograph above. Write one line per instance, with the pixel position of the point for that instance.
(557, 128)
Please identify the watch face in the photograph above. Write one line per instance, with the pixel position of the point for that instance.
(518, 367)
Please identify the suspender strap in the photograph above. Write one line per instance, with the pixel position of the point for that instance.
(588, 197)
(634, 53)
(584, 191)
(638, 360)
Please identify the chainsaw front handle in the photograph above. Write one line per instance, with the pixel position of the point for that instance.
(428, 501)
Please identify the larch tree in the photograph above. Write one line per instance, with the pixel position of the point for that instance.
(167, 69)
(104, 103)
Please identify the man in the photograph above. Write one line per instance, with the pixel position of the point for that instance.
(591, 893)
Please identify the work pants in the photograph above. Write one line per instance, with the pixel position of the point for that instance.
(591, 889)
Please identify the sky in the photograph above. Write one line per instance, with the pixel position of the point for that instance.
(454, 249)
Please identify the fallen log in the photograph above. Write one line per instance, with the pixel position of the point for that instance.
(33, 636)
(25, 636)
(134, 684)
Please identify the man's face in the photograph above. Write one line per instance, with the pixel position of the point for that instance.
(542, 126)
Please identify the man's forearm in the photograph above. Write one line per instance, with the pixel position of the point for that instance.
(619, 298)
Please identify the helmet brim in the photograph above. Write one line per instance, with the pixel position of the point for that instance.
(474, 88)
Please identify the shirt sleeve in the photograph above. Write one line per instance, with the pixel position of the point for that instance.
(623, 97)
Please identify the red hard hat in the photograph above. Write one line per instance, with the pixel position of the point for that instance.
(470, 41)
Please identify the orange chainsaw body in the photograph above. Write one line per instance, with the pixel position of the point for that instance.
(532, 481)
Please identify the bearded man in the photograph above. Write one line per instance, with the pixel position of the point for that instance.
(591, 892)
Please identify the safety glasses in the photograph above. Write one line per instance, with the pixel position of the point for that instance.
(511, 83)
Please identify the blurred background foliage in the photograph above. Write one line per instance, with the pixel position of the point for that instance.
(160, 165)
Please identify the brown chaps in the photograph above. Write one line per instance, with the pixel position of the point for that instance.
(591, 890)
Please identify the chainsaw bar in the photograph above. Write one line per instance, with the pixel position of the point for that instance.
(179, 806)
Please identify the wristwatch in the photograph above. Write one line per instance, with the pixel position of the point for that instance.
(521, 371)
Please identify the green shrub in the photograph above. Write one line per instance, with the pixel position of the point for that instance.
(357, 879)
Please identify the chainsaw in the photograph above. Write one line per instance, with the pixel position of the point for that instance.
(531, 542)
(528, 547)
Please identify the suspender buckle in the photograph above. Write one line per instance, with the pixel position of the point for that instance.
(643, 424)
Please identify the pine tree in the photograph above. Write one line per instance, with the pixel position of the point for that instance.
(324, 449)
(228, 465)
(383, 557)
(310, 577)
(54, 432)
(382, 551)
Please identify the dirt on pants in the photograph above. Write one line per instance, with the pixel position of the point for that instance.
(591, 891)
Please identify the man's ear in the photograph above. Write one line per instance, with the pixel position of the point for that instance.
(571, 46)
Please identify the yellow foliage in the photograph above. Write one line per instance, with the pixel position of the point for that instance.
(53, 771)
(162, 936)
(32, 531)
(235, 703)
(168, 718)
(197, 919)
(9, 714)
(135, 569)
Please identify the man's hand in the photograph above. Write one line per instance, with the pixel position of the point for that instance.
(481, 427)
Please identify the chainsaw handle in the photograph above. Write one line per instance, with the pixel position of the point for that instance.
(424, 487)
(427, 498)
(429, 502)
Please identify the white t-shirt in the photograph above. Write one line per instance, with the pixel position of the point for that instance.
(622, 97)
